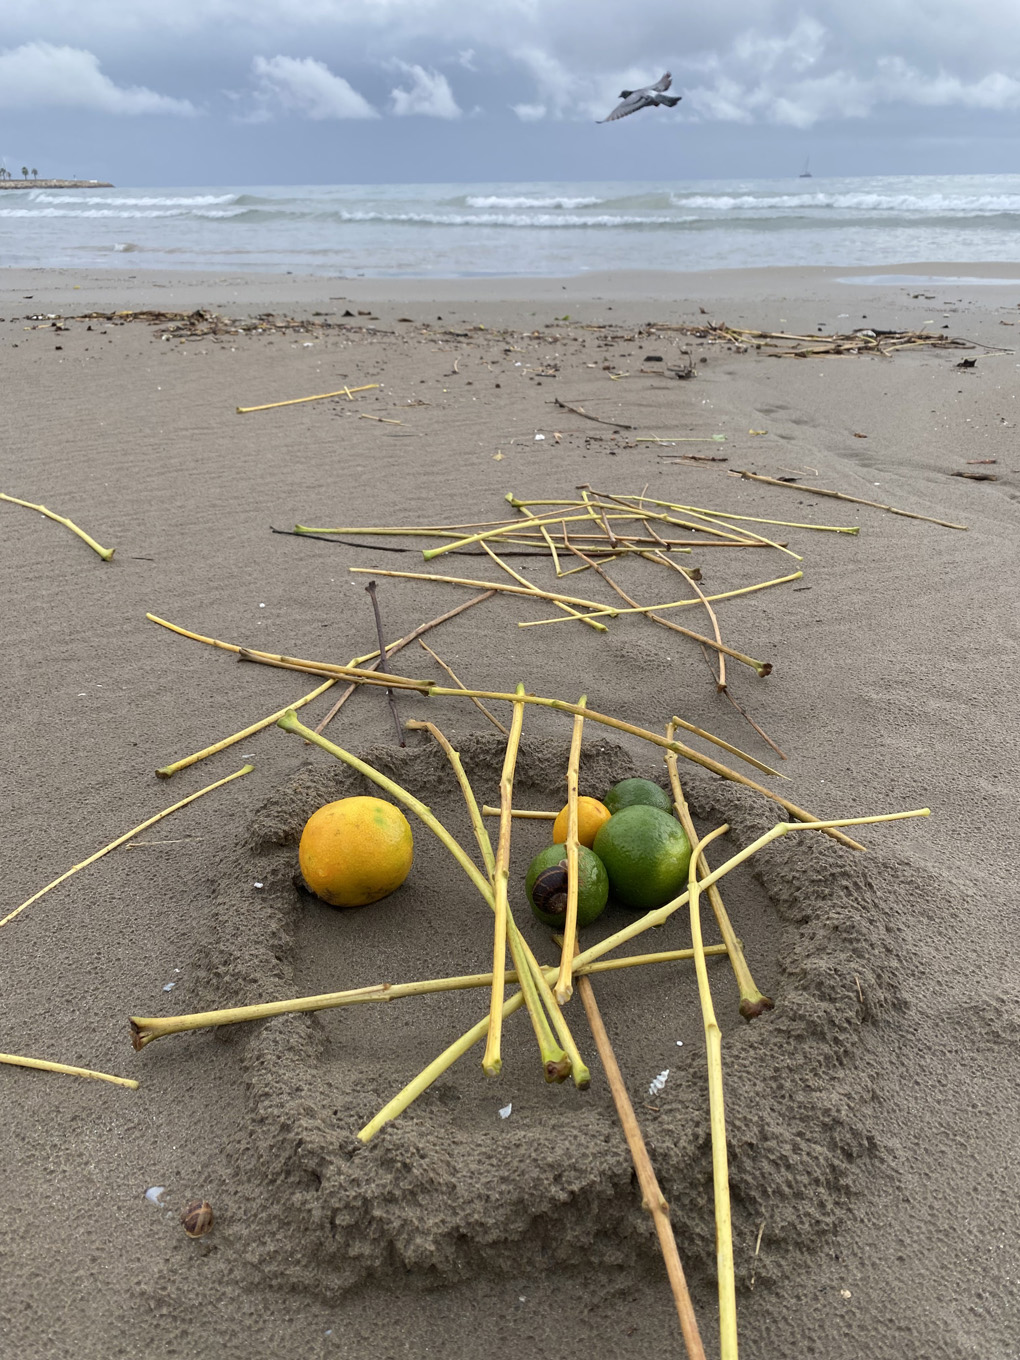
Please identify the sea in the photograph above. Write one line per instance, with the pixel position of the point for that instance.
(524, 230)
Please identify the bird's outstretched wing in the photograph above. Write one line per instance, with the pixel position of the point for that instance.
(646, 98)
(637, 100)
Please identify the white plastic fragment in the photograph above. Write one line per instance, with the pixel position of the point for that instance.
(259, 885)
(155, 1194)
(538, 437)
(679, 1043)
(658, 1083)
(505, 1111)
(169, 986)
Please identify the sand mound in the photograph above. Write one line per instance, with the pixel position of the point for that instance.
(450, 1189)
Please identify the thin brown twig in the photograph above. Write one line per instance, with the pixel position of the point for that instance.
(457, 681)
(652, 1197)
(399, 646)
(371, 589)
(580, 411)
(720, 683)
(840, 496)
(748, 719)
(761, 668)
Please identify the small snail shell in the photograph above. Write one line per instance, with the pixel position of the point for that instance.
(549, 891)
(197, 1218)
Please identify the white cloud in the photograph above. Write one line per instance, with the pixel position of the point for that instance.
(779, 80)
(306, 86)
(41, 75)
(429, 95)
(529, 113)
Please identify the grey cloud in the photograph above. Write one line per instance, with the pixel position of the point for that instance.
(305, 86)
(41, 75)
(429, 94)
(738, 61)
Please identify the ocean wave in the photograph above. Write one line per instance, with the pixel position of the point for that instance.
(945, 205)
(453, 220)
(118, 214)
(192, 201)
(527, 201)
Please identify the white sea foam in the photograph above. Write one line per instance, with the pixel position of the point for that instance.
(135, 201)
(942, 204)
(527, 201)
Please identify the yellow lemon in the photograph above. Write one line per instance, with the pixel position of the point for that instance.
(355, 851)
(590, 816)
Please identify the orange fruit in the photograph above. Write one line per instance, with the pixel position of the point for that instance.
(590, 816)
(355, 851)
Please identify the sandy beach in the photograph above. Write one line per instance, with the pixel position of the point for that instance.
(872, 1131)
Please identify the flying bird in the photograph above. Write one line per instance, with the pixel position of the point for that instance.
(644, 99)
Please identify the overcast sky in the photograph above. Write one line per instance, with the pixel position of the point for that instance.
(243, 92)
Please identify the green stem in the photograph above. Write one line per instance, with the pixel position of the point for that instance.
(144, 1029)
(552, 1055)
(717, 1120)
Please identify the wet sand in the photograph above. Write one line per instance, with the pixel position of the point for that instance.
(871, 1115)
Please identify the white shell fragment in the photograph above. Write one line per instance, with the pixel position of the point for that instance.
(155, 1194)
(169, 986)
(538, 437)
(658, 1083)
(505, 1111)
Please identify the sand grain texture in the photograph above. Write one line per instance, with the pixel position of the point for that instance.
(871, 1114)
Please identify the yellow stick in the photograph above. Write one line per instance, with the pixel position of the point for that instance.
(516, 525)
(245, 769)
(564, 983)
(660, 915)
(446, 1059)
(554, 1059)
(144, 1029)
(646, 608)
(717, 1121)
(166, 771)
(296, 401)
(519, 812)
(753, 1002)
(529, 591)
(522, 580)
(105, 553)
(43, 1066)
(491, 1062)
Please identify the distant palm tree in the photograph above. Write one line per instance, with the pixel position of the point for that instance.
(35, 174)
(24, 172)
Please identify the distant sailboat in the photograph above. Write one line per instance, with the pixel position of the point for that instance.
(806, 172)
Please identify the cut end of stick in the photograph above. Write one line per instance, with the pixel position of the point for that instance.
(559, 1071)
(750, 1008)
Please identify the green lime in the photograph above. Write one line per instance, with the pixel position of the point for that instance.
(643, 791)
(646, 854)
(546, 881)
